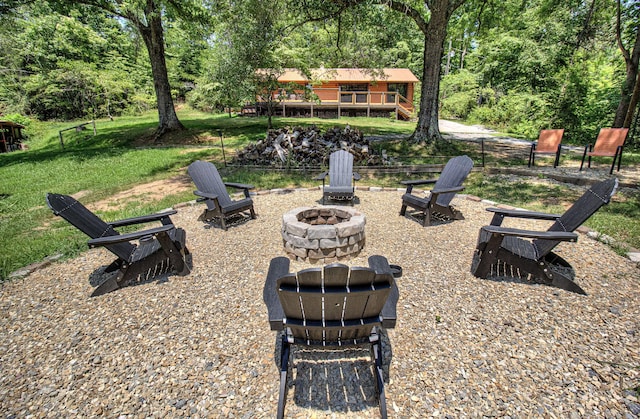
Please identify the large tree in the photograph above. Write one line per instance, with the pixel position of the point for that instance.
(146, 16)
(432, 18)
(628, 100)
(250, 55)
(435, 33)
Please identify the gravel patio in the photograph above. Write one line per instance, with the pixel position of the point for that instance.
(200, 346)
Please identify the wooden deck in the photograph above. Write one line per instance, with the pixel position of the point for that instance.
(333, 103)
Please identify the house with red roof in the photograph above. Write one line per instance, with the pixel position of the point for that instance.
(336, 92)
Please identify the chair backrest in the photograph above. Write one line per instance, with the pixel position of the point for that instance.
(609, 139)
(549, 140)
(595, 197)
(334, 306)
(454, 173)
(340, 168)
(86, 221)
(207, 179)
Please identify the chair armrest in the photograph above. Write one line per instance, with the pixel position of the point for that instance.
(163, 216)
(238, 185)
(243, 186)
(418, 182)
(525, 214)
(278, 267)
(447, 190)
(321, 176)
(411, 183)
(530, 234)
(356, 176)
(380, 264)
(389, 313)
(121, 238)
(205, 195)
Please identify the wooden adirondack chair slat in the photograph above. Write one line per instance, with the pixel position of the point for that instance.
(213, 192)
(444, 190)
(534, 259)
(334, 306)
(158, 249)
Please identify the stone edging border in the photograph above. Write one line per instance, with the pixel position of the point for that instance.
(633, 254)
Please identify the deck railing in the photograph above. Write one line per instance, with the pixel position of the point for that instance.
(364, 98)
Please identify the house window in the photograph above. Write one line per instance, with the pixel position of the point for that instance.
(357, 87)
(401, 88)
(354, 97)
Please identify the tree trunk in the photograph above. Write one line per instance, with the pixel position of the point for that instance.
(627, 91)
(428, 129)
(632, 60)
(633, 104)
(270, 107)
(448, 67)
(153, 37)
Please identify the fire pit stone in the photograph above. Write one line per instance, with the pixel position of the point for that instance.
(323, 234)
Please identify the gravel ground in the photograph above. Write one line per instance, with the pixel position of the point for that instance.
(200, 346)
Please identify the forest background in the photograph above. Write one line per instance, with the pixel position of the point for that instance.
(517, 66)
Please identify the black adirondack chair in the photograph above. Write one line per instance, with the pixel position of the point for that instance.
(444, 189)
(331, 308)
(158, 250)
(213, 192)
(341, 177)
(526, 254)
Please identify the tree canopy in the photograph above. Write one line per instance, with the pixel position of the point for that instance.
(515, 65)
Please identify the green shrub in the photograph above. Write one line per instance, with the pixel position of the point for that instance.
(483, 115)
(519, 113)
(17, 118)
(458, 94)
(458, 105)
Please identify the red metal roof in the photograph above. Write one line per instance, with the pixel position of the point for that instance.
(352, 75)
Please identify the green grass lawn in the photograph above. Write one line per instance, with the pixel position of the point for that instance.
(122, 155)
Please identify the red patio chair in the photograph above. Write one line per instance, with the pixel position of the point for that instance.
(609, 143)
(549, 142)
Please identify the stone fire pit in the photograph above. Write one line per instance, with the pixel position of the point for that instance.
(323, 234)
